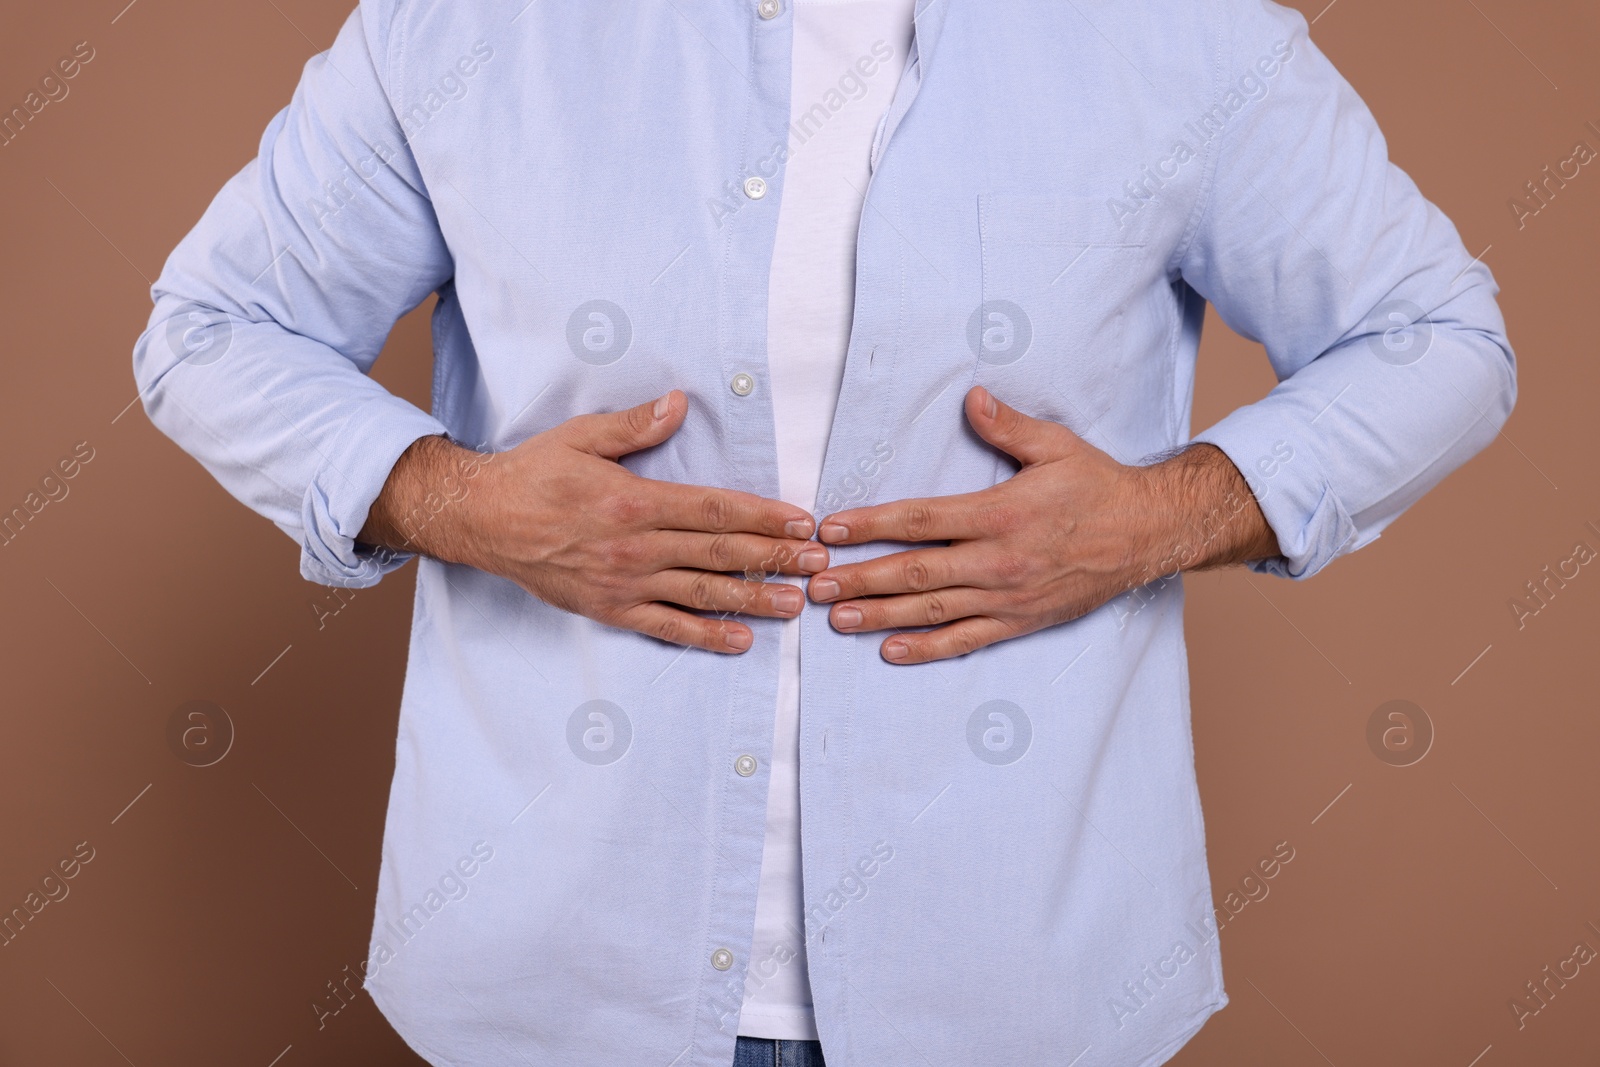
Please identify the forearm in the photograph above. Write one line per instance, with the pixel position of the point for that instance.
(1202, 514)
(424, 505)
(266, 322)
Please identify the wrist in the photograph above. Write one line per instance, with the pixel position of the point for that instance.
(426, 505)
(1201, 513)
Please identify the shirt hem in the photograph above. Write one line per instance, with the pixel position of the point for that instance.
(1171, 1049)
(394, 1018)
(780, 1026)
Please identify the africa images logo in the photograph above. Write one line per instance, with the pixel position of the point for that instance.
(1250, 87)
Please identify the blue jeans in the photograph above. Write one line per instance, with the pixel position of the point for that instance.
(762, 1052)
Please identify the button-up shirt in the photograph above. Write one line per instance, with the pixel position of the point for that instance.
(1004, 859)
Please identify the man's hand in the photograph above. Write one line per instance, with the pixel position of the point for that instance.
(561, 518)
(1072, 529)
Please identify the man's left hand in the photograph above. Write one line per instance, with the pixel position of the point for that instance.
(1072, 529)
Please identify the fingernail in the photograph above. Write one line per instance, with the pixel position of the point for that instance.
(846, 618)
(788, 600)
(662, 407)
(824, 589)
(990, 408)
(738, 640)
(813, 560)
(895, 649)
(800, 528)
(832, 531)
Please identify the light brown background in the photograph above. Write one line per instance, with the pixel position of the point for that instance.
(207, 923)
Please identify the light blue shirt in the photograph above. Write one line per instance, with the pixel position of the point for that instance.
(1004, 860)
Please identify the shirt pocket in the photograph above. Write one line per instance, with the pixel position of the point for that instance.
(1060, 280)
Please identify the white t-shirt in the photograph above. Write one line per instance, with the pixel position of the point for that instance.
(835, 108)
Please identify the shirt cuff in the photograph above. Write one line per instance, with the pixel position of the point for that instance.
(350, 478)
(1305, 513)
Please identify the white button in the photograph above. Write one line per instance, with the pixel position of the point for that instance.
(755, 188)
(769, 9)
(722, 959)
(745, 765)
(742, 384)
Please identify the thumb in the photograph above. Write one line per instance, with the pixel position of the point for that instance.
(1020, 436)
(616, 433)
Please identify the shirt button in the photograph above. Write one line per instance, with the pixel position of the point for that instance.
(722, 959)
(742, 384)
(769, 9)
(745, 765)
(755, 188)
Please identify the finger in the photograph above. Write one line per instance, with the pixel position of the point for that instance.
(913, 609)
(1021, 436)
(750, 553)
(947, 642)
(935, 518)
(616, 433)
(682, 628)
(915, 571)
(707, 591)
(708, 510)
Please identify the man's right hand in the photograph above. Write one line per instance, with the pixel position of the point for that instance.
(562, 518)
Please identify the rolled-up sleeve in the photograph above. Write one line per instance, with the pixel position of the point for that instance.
(271, 311)
(1390, 352)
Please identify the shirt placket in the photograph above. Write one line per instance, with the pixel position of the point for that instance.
(863, 419)
(758, 31)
